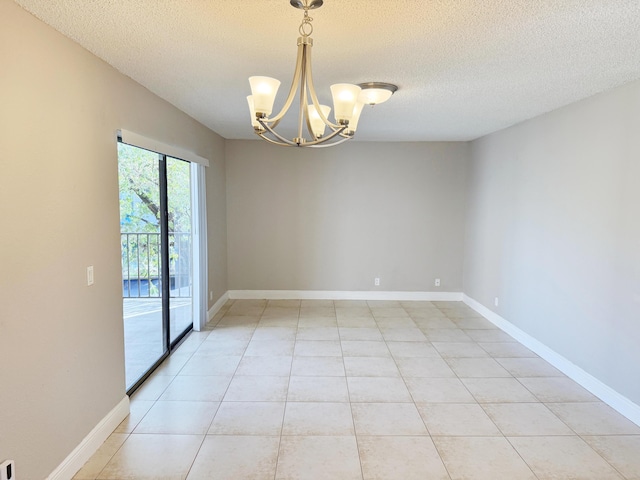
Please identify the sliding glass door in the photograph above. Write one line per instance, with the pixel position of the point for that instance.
(155, 231)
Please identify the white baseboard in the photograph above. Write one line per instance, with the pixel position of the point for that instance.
(608, 395)
(342, 295)
(96, 437)
(217, 306)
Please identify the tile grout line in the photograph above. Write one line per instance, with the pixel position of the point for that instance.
(346, 381)
(414, 401)
(286, 398)
(110, 458)
(600, 455)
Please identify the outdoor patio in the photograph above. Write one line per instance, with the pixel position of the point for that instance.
(143, 331)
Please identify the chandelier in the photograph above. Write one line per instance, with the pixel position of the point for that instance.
(348, 99)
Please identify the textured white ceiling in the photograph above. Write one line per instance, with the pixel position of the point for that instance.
(465, 68)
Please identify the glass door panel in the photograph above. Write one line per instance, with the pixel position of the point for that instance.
(180, 246)
(140, 235)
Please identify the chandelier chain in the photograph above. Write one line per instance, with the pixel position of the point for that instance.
(306, 24)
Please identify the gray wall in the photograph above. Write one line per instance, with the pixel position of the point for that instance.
(333, 219)
(61, 342)
(553, 230)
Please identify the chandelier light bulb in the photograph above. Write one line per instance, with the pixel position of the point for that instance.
(345, 97)
(263, 91)
(355, 118)
(317, 123)
(252, 111)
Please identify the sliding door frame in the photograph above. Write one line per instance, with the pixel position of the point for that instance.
(169, 346)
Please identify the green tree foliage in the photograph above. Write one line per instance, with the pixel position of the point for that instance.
(138, 175)
(179, 195)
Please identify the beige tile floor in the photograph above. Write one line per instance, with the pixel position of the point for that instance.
(363, 390)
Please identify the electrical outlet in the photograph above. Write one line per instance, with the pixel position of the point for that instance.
(495, 301)
(211, 295)
(437, 282)
(376, 282)
(8, 470)
(90, 275)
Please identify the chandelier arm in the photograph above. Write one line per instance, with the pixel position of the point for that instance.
(324, 139)
(289, 143)
(314, 96)
(270, 140)
(303, 96)
(309, 128)
(294, 87)
(276, 134)
(325, 145)
(307, 117)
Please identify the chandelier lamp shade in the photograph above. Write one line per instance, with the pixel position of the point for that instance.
(313, 117)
